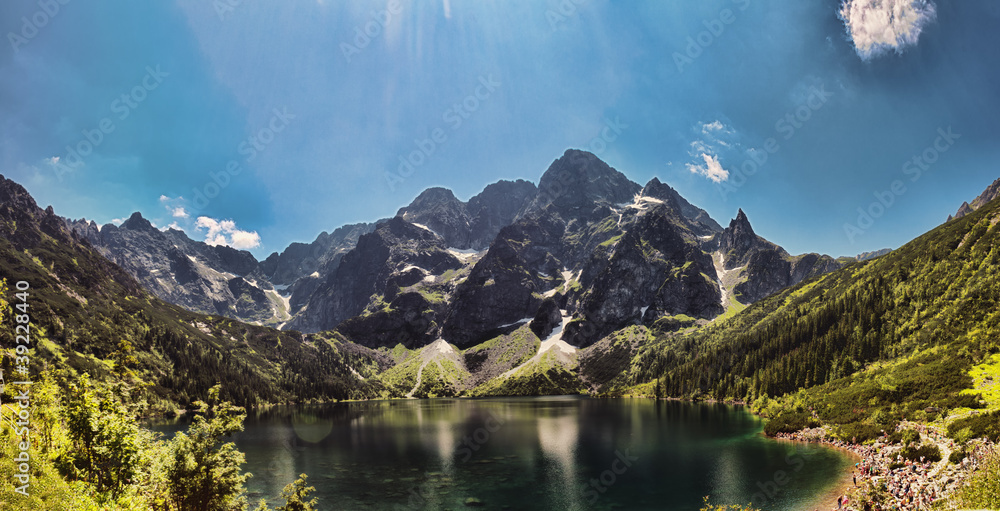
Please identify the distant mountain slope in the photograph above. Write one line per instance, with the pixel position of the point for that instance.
(991, 192)
(473, 224)
(762, 267)
(396, 255)
(197, 276)
(895, 335)
(864, 256)
(89, 315)
(300, 260)
(604, 249)
(587, 241)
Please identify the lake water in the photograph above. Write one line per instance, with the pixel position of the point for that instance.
(544, 453)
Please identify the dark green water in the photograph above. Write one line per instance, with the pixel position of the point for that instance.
(545, 453)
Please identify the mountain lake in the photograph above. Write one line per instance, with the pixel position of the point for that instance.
(544, 453)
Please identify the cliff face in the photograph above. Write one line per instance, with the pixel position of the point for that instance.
(602, 250)
(991, 192)
(199, 277)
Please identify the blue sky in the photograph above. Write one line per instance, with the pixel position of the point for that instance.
(311, 115)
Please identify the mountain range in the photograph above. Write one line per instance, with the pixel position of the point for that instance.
(991, 192)
(88, 314)
(587, 282)
(601, 247)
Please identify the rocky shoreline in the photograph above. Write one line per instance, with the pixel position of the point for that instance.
(908, 485)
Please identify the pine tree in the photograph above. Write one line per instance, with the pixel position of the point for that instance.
(295, 495)
(203, 475)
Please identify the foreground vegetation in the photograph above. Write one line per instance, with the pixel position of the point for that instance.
(83, 448)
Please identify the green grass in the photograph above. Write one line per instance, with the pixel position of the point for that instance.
(734, 308)
(986, 381)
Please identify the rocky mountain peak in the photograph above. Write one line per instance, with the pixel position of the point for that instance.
(495, 207)
(703, 224)
(579, 183)
(15, 195)
(741, 222)
(430, 198)
(738, 241)
(991, 192)
(397, 228)
(438, 209)
(137, 223)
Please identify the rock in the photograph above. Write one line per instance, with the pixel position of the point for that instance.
(199, 277)
(374, 270)
(546, 319)
(991, 192)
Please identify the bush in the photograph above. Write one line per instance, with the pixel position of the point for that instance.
(983, 425)
(789, 422)
(707, 506)
(957, 456)
(905, 437)
(858, 432)
(296, 496)
(910, 436)
(929, 452)
(982, 489)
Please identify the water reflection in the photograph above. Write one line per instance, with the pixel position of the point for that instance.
(526, 453)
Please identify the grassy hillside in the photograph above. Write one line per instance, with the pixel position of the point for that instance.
(88, 316)
(899, 336)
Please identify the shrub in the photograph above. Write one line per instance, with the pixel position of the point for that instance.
(858, 432)
(929, 452)
(957, 456)
(733, 507)
(983, 425)
(982, 489)
(296, 496)
(789, 422)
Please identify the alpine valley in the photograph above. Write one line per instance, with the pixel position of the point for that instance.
(523, 289)
(586, 283)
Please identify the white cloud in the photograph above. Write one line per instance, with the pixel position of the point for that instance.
(52, 161)
(713, 126)
(878, 27)
(711, 169)
(118, 221)
(715, 140)
(244, 239)
(179, 212)
(164, 198)
(698, 147)
(225, 232)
